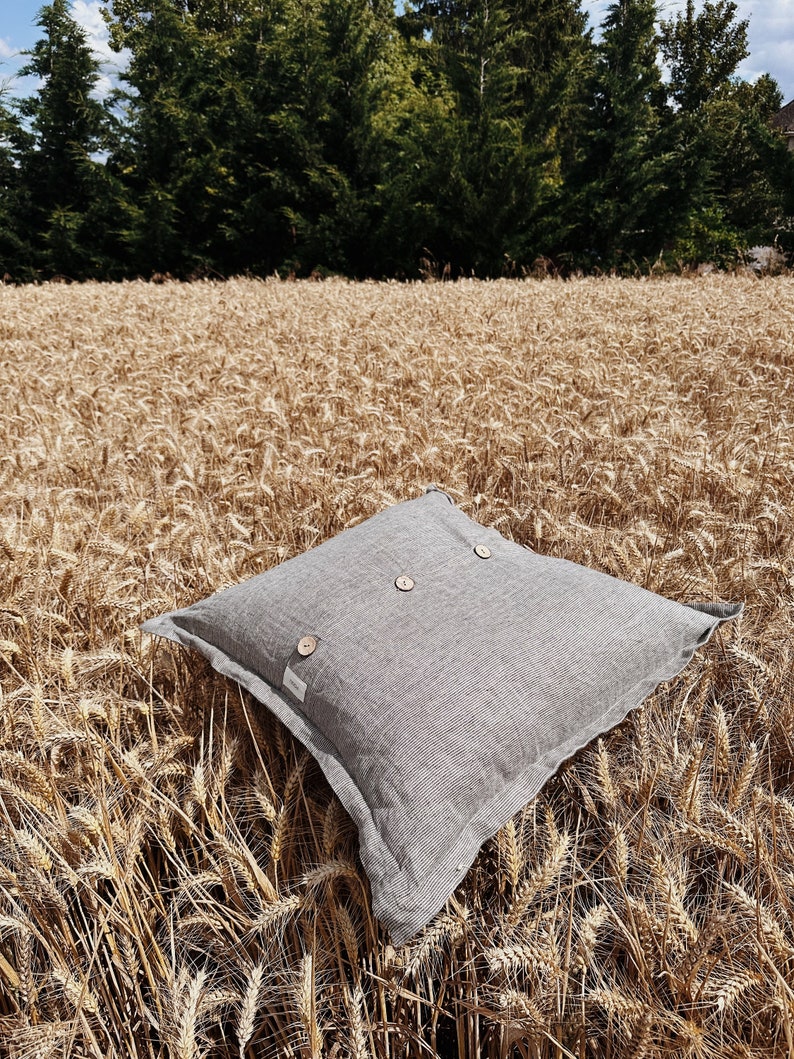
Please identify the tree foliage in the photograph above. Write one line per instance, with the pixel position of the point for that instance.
(62, 194)
(467, 136)
(738, 176)
(624, 166)
(702, 50)
(510, 69)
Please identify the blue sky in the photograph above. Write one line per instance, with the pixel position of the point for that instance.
(18, 30)
(771, 35)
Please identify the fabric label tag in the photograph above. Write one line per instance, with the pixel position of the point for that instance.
(293, 684)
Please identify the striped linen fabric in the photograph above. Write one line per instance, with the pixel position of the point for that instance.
(440, 674)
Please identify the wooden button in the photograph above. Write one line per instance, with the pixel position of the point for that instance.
(483, 551)
(404, 583)
(306, 645)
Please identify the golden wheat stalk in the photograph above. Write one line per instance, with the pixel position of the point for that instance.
(167, 858)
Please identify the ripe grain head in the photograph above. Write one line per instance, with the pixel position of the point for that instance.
(174, 871)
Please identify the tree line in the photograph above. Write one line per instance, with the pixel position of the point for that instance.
(456, 137)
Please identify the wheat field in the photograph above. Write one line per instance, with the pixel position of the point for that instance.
(176, 879)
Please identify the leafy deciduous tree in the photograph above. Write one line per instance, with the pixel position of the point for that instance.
(702, 50)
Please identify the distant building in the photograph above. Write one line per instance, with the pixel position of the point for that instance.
(784, 120)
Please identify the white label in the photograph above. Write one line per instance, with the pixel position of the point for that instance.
(294, 685)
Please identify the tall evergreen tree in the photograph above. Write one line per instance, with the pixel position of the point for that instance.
(164, 150)
(16, 253)
(250, 131)
(624, 168)
(334, 58)
(486, 164)
(555, 56)
(66, 210)
(509, 66)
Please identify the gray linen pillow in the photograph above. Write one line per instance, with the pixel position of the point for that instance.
(440, 674)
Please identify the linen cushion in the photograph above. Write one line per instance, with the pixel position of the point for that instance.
(440, 674)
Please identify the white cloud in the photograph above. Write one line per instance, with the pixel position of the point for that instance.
(88, 14)
(771, 38)
(6, 51)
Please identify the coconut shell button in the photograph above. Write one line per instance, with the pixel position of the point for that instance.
(306, 645)
(483, 551)
(404, 583)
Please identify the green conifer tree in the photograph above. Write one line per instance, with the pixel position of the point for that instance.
(16, 253)
(67, 199)
(161, 151)
(624, 169)
(511, 68)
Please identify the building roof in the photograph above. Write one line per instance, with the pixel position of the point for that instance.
(784, 119)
